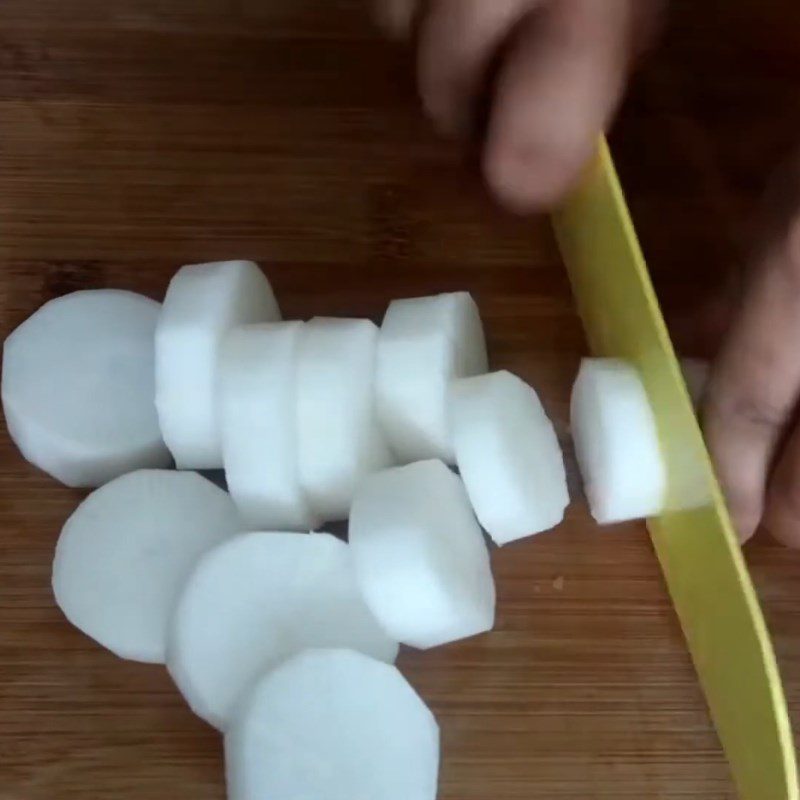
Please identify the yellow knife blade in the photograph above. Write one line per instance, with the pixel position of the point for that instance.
(694, 540)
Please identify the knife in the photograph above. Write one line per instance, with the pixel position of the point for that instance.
(693, 538)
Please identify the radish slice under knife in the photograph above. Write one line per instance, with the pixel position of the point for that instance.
(421, 559)
(258, 420)
(124, 554)
(340, 441)
(203, 302)
(257, 600)
(616, 442)
(508, 456)
(78, 387)
(332, 724)
(424, 343)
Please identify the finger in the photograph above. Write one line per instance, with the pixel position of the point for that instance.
(558, 89)
(754, 385)
(458, 41)
(782, 514)
(396, 17)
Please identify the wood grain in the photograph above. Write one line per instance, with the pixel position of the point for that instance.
(138, 135)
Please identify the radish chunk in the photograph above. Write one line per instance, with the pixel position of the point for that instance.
(424, 343)
(332, 725)
(616, 442)
(508, 456)
(340, 441)
(420, 556)
(78, 387)
(123, 556)
(203, 302)
(257, 600)
(258, 416)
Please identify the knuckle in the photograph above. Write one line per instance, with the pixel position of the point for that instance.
(746, 409)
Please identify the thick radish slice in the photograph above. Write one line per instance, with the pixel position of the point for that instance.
(124, 554)
(203, 302)
(340, 441)
(424, 343)
(257, 600)
(420, 555)
(332, 725)
(258, 420)
(508, 456)
(78, 387)
(616, 442)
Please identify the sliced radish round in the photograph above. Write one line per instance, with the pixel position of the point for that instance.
(424, 343)
(340, 441)
(332, 724)
(126, 551)
(508, 456)
(78, 387)
(258, 419)
(420, 556)
(258, 599)
(203, 302)
(616, 442)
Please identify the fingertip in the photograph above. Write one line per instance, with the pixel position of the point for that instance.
(395, 17)
(782, 515)
(530, 176)
(738, 464)
(556, 92)
(745, 524)
(783, 528)
(783, 536)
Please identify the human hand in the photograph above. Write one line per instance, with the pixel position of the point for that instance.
(556, 88)
(750, 415)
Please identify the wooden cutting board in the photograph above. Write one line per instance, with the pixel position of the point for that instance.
(137, 135)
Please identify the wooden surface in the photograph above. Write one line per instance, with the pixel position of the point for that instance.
(137, 135)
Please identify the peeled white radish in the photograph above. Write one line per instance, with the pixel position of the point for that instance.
(508, 456)
(340, 441)
(258, 420)
(78, 387)
(124, 554)
(616, 442)
(332, 725)
(257, 600)
(203, 302)
(424, 343)
(420, 556)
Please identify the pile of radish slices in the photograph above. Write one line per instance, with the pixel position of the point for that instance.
(285, 640)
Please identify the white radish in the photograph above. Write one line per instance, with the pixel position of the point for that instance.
(203, 302)
(508, 456)
(332, 725)
(424, 343)
(340, 441)
(258, 599)
(421, 559)
(258, 420)
(616, 442)
(124, 554)
(78, 387)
